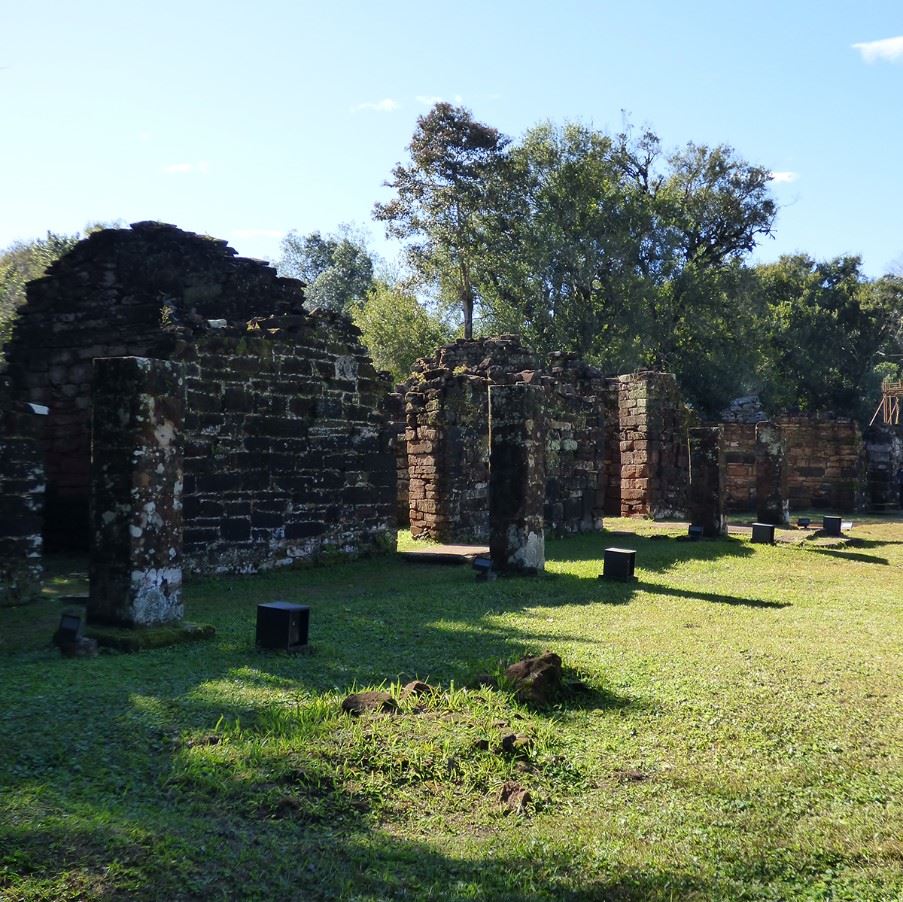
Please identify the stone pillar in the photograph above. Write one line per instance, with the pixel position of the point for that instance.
(21, 504)
(706, 495)
(772, 498)
(136, 492)
(517, 478)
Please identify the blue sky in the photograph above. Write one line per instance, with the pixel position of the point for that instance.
(244, 120)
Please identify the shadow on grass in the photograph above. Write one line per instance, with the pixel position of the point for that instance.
(849, 556)
(657, 589)
(104, 731)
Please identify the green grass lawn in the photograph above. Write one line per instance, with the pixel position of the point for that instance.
(739, 736)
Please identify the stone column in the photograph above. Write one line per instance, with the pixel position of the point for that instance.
(772, 498)
(706, 495)
(517, 478)
(21, 503)
(136, 492)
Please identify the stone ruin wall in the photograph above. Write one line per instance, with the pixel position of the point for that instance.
(575, 445)
(447, 438)
(740, 465)
(287, 453)
(825, 462)
(21, 502)
(395, 424)
(109, 297)
(647, 458)
(447, 435)
(884, 453)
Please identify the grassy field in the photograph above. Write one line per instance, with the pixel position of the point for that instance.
(739, 735)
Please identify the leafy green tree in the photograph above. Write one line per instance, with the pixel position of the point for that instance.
(607, 247)
(825, 326)
(397, 328)
(440, 196)
(21, 262)
(337, 269)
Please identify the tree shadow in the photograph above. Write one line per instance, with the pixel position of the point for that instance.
(849, 556)
(716, 598)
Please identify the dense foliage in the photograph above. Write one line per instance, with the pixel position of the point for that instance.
(337, 270)
(397, 328)
(634, 257)
(21, 262)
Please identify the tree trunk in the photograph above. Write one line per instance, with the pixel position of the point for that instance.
(467, 305)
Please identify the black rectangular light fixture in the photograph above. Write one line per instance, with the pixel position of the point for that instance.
(763, 533)
(69, 631)
(283, 625)
(832, 526)
(619, 563)
(483, 567)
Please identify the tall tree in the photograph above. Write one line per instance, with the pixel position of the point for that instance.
(699, 211)
(824, 327)
(337, 269)
(440, 195)
(397, 329)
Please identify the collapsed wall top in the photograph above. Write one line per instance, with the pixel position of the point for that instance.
(154, 273)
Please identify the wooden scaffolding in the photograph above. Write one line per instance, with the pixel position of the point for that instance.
(889, 406)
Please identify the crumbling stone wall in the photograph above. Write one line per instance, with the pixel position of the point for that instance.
(21, 502)
(287, 454)
(447, 418)
(110, 297)
(286, 447)
(884, 453)
(739, 465)
(825, 462)
(647, 437)
(574, 401)
(448, 438)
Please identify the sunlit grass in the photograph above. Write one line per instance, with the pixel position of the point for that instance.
(738, 735)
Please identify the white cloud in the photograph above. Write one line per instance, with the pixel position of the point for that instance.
(257, 233)
(386, 105)
(890, 49)
(185, 168)
(784, 178)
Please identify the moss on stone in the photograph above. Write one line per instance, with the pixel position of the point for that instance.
(132, 639)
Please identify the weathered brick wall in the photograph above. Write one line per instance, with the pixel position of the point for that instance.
(109, 297)
(21, 502)
(740, 465)
(448, 457)
(287, 453)
(884, 455)
(287, 448)
(825, 463)
(575, 445)
(395, 425)
(649, 470)
(448, 438)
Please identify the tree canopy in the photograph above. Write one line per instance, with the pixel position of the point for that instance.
(337, 270)
(440, 197)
